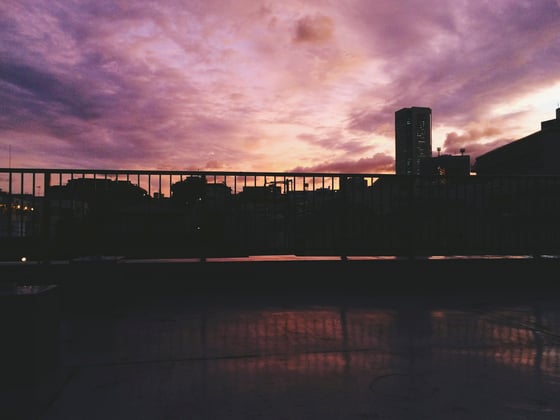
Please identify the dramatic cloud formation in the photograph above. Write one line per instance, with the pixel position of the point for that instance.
(254, 85)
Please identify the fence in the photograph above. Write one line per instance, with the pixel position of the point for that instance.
(71, 213)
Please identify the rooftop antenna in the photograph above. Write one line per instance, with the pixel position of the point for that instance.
(9, 156)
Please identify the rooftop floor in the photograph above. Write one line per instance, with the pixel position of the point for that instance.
(171, 352)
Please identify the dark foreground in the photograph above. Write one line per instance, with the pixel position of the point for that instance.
(452, 339)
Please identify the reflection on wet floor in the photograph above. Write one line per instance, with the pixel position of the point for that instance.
(179, 359)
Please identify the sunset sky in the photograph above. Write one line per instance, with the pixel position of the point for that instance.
(251, 85)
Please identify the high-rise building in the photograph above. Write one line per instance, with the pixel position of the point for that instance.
(413, 139)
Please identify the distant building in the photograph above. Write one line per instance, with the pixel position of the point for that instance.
(260, 193)
(446, 165)
(353, 183)
(98, 190)
(413, 139)
(16, 215)
(217, 195)
(535, 154)
(189, 191)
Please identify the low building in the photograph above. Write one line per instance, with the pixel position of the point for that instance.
(535, 154)
(446, 165)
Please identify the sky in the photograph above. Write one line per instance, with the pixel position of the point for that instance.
(256, 85)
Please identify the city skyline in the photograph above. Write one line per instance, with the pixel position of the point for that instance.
(257, 86)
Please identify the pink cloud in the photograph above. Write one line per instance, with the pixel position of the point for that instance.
(473, 142)
(314, 29)
(186, 84)
(378, 163)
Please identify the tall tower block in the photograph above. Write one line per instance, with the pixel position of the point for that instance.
(413, 139)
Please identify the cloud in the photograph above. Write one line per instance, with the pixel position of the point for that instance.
(453, 142)
(313, 29)
(453, 59)
(378, 163)
(218, 85)
(474, 141)
(367, 120)
(47, 89)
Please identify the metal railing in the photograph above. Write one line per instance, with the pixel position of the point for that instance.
(71, 213)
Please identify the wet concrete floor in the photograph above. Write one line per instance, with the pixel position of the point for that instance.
(274, 356)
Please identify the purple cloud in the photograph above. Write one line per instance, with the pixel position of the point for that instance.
(376, 164)
(233, 86)
(313, 29)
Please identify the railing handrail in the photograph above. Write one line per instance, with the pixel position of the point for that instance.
(189, 171)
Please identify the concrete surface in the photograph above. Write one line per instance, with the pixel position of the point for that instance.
(181, 353)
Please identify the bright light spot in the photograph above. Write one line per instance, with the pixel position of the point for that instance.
(23, 259)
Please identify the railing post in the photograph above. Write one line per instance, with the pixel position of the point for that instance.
(413, 218)
(46, 218)
(10, 205)
(343, 226)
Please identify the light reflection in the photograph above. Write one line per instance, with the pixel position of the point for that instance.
(389, 352)
(309, 340)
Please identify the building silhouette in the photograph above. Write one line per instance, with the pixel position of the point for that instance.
(413, 139)
(446, 165)
(535, 154)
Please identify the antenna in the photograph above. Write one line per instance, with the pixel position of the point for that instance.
(9, 156)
